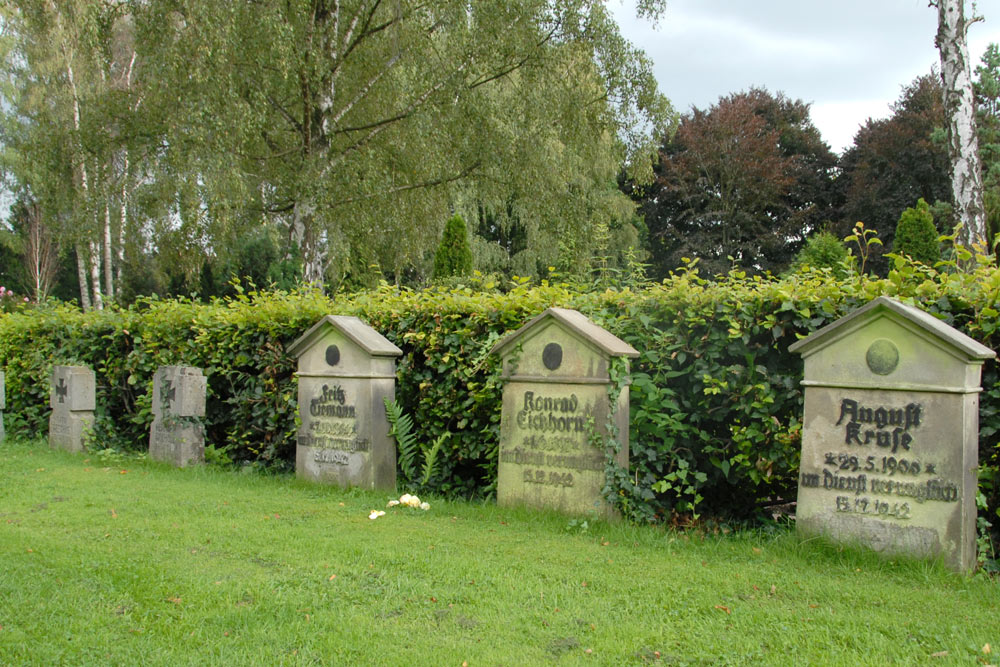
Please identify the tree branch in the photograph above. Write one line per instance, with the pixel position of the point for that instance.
(515, 66)
(413, 186)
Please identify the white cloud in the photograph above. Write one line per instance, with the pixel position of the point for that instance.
(850, 59)
(839, 121)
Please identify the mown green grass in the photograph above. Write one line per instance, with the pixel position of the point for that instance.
(108, 561)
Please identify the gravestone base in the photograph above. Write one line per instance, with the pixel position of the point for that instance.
(70, 431)
(880, 536)
(180, 444)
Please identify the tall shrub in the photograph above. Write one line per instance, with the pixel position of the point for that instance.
(454, 255)
(823, 250)
(916, 235)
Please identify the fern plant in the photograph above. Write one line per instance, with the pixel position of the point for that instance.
(409, 447)
(402, 431)
(431, 458)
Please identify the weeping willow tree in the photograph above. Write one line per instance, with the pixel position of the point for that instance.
(357, 127)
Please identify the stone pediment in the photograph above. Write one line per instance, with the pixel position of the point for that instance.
(889, 344)
(346, 346)
(561, 345)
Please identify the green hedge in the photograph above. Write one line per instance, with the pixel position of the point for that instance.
(715, 398)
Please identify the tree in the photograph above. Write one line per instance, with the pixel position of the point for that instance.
(916, 234)
(987, 91)
(747, 179)
(353, 125)
(823, 250)
(963, 145)
(894, 162)
(453, 256)
(68, 65)
(156, 136)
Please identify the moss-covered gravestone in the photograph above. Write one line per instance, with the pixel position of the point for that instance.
(558, 373)
(890, 438)
(346, 369)
(72, 396)
(177, 435)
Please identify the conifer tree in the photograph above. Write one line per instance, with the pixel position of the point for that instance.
(916, 234)
(453, 256)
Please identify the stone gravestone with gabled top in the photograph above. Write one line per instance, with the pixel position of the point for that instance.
(177, 435)
(72, 396)
(890, 437)
(346, 370)
(556, 404)
(3, 404)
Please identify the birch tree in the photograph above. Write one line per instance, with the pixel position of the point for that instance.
(963, 145)
(352, 123)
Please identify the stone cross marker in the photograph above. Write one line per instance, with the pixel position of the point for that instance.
(346, 369)
(557, 376)
(72, 397)
(177, 435)
(3, 404)
(890, 437)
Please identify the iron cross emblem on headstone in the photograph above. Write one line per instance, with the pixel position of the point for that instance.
(62, 390)
(169, 393)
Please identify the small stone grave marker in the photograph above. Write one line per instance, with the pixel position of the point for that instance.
(177, 435)
(72, 397)
(557, 372)
(346, 369)
(890, 437)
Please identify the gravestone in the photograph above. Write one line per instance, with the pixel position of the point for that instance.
(3, 404)
(890, 436)
(555, 402)
(346, 369)
(177, 435)
(72, 396)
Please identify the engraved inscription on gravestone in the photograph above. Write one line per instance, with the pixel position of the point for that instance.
(555, 399)
(72, 396)
(345, 369)
(890, 433)
(177, 435)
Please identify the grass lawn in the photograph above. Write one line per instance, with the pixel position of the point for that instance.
(123, 561)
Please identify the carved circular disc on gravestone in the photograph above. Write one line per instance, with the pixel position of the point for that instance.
(333, 355)
(552, 356)
(882, 356)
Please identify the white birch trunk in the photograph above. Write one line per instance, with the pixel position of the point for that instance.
(122, 218)
(81, 167)
(303, 235)
(81, 276)
(123, 202)
(95, 274)
(963, 145)
(109, 285)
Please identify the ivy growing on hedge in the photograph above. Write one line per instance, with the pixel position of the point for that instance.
(715, 397)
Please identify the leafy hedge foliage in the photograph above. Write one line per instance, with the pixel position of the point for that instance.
(715, 397)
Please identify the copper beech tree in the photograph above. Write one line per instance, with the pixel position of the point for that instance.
(742, 183)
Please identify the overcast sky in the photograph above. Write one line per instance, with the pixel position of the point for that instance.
(849, 58)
